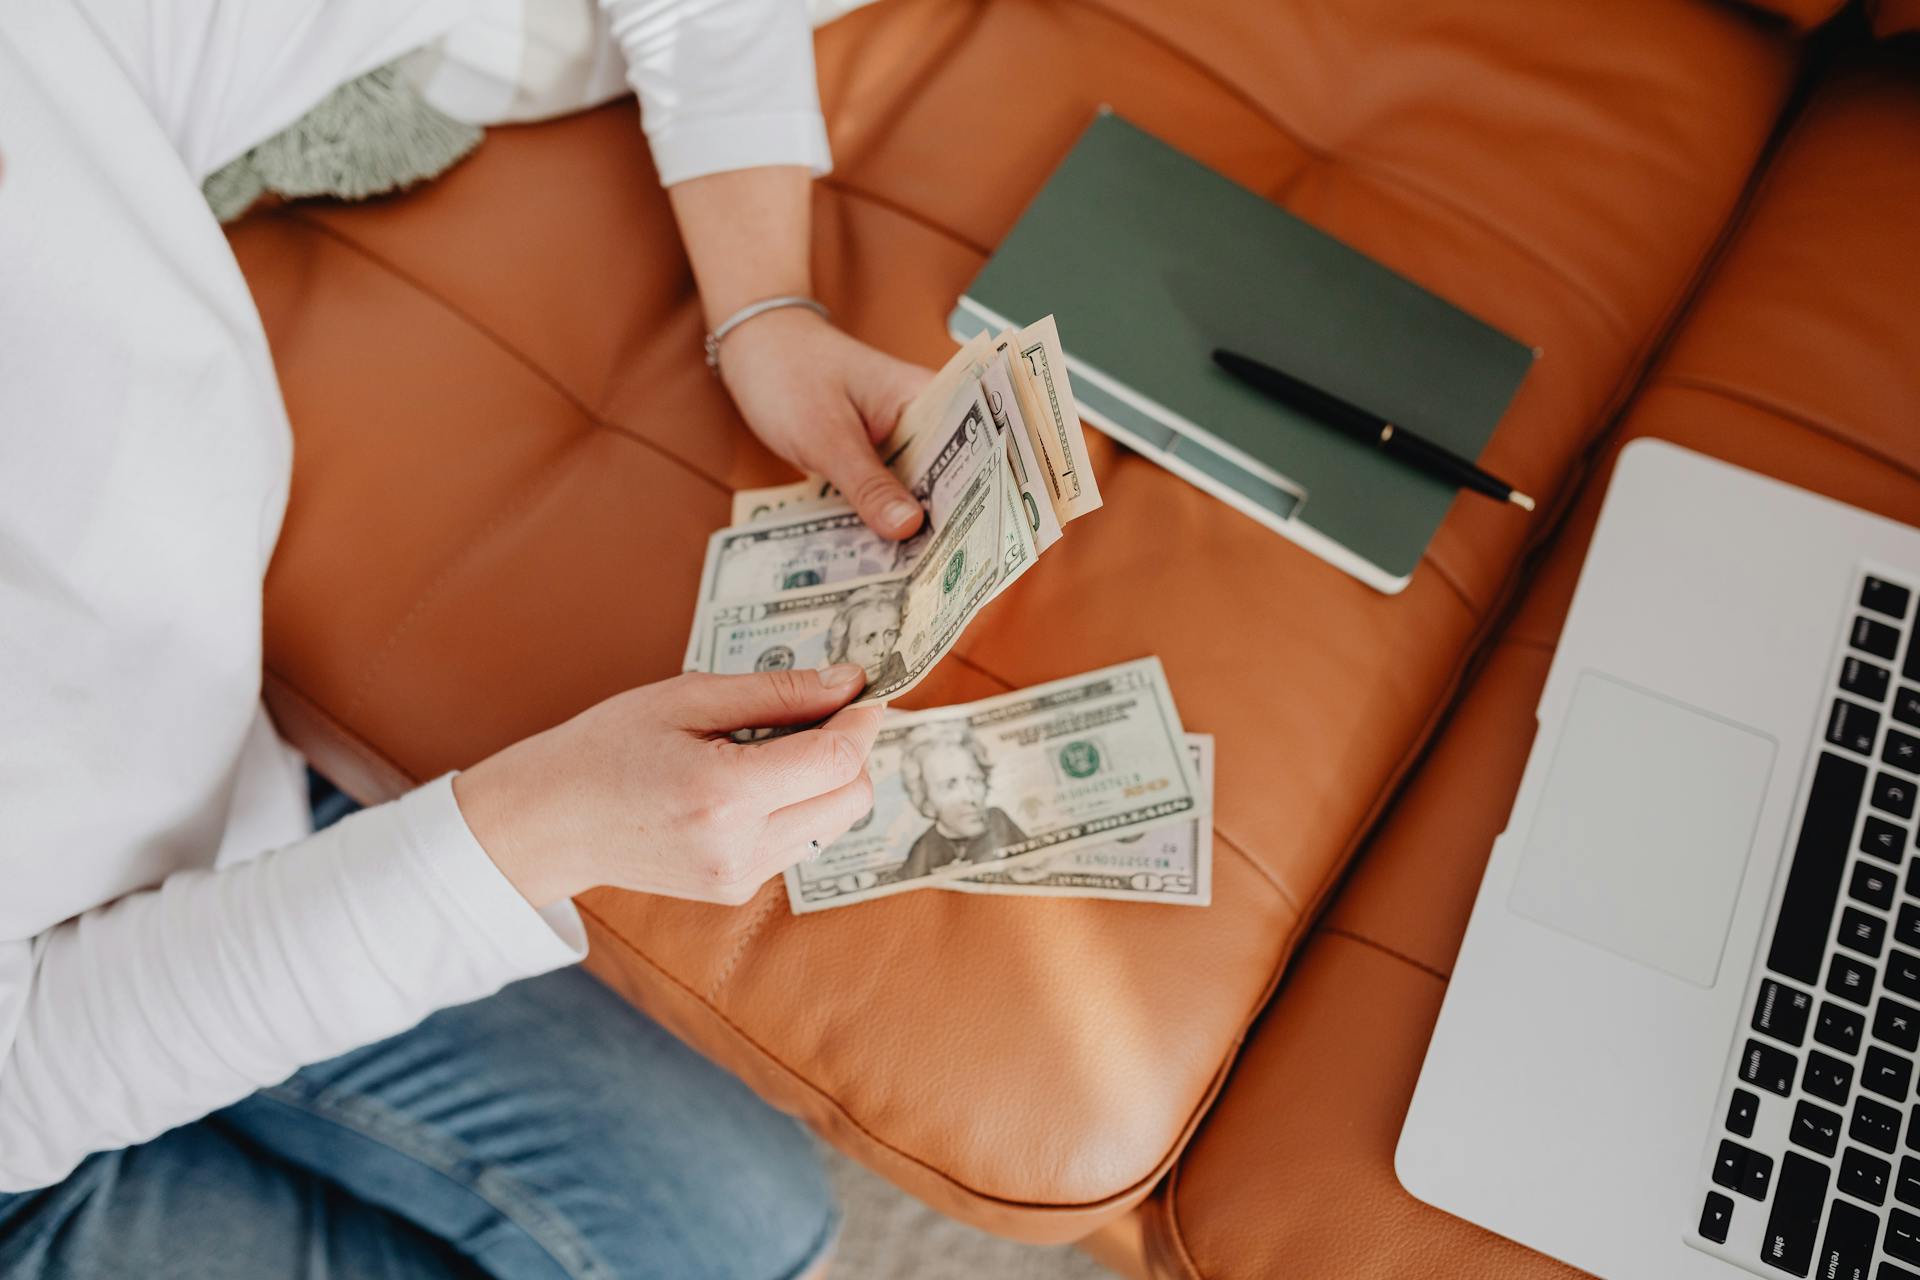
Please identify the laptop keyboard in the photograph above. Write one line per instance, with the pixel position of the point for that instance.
(1815, 1169)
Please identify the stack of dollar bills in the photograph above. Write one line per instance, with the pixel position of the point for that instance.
(992, 450)
(1087, 787)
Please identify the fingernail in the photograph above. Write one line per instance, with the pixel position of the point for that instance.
(900, 510)
(839, 677)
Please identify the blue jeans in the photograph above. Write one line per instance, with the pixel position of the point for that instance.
(549, 1132)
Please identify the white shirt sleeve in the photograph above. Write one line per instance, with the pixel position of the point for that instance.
(223, 75)
(152, 968)
(723, 84)
(167, 1004)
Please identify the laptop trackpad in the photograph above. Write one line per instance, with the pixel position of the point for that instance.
(1641, 839)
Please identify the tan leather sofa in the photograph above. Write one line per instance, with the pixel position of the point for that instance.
(508, 456)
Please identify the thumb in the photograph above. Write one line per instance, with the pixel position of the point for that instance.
(885, 391)
(763, 699)
(882, 501)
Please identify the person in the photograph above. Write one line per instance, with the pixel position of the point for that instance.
(865, 631)
(948, 775)
(231, 1046)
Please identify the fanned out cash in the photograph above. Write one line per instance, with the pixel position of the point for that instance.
(993, 451)
(1085, 787)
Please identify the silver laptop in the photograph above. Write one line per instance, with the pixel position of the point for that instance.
(1681, 1037)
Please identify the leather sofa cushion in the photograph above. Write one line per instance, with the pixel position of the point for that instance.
(1797, 362)
(508, 457)
(1893, 17)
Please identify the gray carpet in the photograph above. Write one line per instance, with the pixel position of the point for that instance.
(891, 1236)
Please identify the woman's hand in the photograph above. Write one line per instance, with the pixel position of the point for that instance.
(646, 790)
(822, 400)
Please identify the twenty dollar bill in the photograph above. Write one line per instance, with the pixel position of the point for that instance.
(1170, 864)
(1011, 781)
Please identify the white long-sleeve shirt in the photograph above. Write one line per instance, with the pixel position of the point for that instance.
(172, 936)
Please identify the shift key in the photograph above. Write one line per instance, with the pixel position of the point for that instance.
(1794, 1225)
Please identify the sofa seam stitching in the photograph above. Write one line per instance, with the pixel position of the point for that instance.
(755, 924)
(1376, 171)
(1798, 418)
(347, 737)
(540, 372)
(528, 494)
(1269, 876)
(1341, 931)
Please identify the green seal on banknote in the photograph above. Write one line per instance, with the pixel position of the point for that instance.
(1080, 758)
(955, 567)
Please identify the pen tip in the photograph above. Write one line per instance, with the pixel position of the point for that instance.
(1520, 500)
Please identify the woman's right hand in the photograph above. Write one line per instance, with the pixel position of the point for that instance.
(647, 791)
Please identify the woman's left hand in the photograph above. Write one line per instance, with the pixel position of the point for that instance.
(822, 400)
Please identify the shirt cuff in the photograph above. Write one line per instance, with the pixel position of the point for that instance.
(696, 147)
(526, 940)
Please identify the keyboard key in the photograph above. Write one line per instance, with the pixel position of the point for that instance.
(1906, 925)
(1911, 668)
(1715, 1218)
(1887, 1074)
(1907, 1189)
(1865, 679)
(1894, 794)
(1819, 860)
(1849, 979)
(1827, 1078)
(1913, 1130)
(1871, 885)
(1782, 1011)
(1903, 1236)
(1870, 635)
(1839, 1027)
(1847, 1251)
(1903, 973)
(1795, 1219)
(1852, 726)
(1875, 1124)
(1864, 1177)
(1815, 1128)
(1906, 705)
(1902, 750)
(1888, 1271)
(1740, 1169)
(1883, 840)
(1742, 1108)
(1896, 1023)
(1862, 931)
(1768, 1067)
(1884, 597)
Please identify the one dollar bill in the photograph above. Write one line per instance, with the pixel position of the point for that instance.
(1012, 781)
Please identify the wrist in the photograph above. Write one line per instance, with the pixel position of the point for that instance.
(495, 808)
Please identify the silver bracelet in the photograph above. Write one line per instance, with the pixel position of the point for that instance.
(748, 312)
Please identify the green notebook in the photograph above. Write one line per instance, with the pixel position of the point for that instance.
(1149, 260)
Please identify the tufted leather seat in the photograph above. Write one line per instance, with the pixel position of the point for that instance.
(508, 457)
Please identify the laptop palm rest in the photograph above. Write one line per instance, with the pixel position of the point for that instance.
(1642, 834)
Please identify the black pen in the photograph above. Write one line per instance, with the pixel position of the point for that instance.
(1436, 460)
